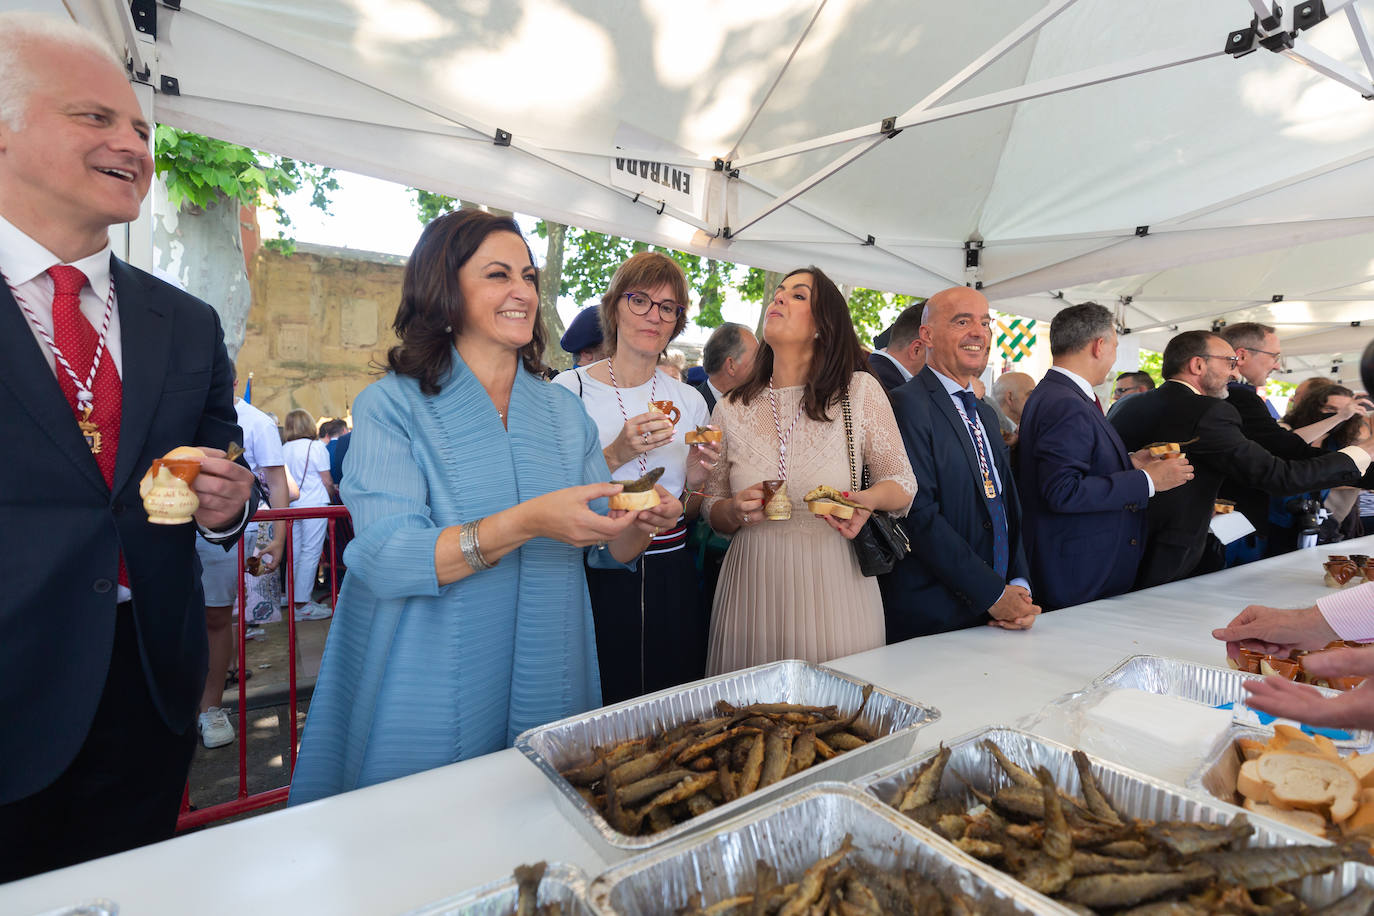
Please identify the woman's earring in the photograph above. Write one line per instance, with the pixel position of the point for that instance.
(448, 329)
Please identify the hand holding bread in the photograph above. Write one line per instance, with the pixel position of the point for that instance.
(706, 447)
(642, 433)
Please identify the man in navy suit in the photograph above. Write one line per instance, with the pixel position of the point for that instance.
(102, 369)
(1082, 494)
(903, 355)
(728, 358)
(966, 565)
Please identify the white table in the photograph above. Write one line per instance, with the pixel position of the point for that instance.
(396, 846)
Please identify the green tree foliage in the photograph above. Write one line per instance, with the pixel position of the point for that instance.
(201, 171)
(1153, 363)
(867, 308)
(592, 257)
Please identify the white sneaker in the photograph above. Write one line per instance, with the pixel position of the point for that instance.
(214, 727)
(313, 611)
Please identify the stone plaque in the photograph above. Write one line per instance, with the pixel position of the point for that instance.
(292, 341)
(358, 323)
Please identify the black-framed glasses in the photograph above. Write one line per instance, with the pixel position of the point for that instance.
(1278, 356)
(640, 304)
(1230, 359)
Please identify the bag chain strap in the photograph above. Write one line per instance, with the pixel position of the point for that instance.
(849, 441)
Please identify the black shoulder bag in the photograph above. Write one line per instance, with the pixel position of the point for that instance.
(881, 543)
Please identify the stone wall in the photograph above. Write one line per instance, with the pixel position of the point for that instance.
(319, 319)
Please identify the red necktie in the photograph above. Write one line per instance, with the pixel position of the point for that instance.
(77, 340)
(1098, 402)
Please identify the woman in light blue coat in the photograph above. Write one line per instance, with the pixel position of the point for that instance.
(476, 489)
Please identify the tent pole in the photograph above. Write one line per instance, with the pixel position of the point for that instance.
(1106, 73)
(1352, 15)
(776, 80)
(877, 131)
(1303, 53)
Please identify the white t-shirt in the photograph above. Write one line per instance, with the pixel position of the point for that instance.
(261, 440)
(305, 459)
(600, 401)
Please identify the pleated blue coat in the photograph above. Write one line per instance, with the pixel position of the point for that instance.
(417, 675)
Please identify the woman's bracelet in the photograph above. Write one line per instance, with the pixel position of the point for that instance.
(472, 550)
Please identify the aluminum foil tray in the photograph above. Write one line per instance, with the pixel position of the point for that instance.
(791, 834)
(563, 884)
(568, 743)
(1200, 683)
(1131, 793)
(1218, 773)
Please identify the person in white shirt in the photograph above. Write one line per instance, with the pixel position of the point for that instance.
(220, 570)
(650, 629)
(307, 461)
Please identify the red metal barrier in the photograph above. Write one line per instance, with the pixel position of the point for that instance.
(245, 802)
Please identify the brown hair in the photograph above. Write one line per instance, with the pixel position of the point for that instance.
(432, 307)
(836, 354)
(299, 424)
(1311, 408)
(641, 272)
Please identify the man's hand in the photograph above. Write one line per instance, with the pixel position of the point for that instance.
(1167, 473)
(223, 488)
(1014, 610)
(1271, 629)
(1352, 709)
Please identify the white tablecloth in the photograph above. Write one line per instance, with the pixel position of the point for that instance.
(393, 847)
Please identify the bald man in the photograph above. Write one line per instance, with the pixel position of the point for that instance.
(966, 567)
(1010, 392)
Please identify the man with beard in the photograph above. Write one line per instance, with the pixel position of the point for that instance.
(1190, 409)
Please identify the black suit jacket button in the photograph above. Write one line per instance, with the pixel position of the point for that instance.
(987, 525)
(1132, 506)
(101, 586)
(117, 508)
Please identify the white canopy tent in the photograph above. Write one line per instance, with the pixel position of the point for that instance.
(1050, 150)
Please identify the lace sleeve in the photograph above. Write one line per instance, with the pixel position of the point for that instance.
(717, 485)
(883, 450)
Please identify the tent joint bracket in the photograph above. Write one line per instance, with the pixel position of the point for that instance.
(1142, 231)
(1269, 32)
(502, 138)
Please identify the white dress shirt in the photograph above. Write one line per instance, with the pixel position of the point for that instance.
(25, 263)
(954, 388)
(906, 374)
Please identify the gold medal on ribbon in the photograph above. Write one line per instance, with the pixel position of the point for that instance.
(89, 430)
(989, 488)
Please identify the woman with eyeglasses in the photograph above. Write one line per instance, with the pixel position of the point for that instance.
(650, 630)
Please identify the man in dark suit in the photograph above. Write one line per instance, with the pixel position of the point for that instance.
(102, 631)
(1257, 355)
(966, 565)
(728, 358)
(1082, 494)
(903, 355)
(1190, 408)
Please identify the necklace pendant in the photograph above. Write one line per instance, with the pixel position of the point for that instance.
(90, 431)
